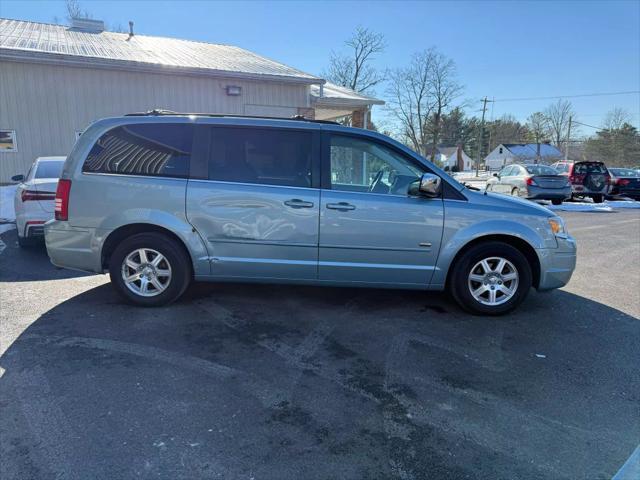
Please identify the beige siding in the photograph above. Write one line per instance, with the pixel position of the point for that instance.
(47, 104)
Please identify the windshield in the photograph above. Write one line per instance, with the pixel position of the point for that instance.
(540, 170)
(624, 172)
(49, 169)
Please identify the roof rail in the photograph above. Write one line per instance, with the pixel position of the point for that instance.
(158, 112)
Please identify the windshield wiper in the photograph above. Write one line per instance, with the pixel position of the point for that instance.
(471, 187)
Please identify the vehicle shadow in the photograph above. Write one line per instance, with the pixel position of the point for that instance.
(279, 382)
(29, 264)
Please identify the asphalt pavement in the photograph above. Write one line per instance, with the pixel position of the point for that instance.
(277, 382)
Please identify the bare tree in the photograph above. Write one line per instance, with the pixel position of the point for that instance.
(355, 70)
(558, 115)
(444, 88)
(616, 118)
(74, 10)
(538, 128)
(410, 101)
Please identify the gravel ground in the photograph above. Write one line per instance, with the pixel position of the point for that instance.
(274, 382)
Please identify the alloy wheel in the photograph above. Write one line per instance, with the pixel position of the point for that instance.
(493, 281)
(146, 272)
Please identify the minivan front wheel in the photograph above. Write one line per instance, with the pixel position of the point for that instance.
(149, 269)
(491, 278)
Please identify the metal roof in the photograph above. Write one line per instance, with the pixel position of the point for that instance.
(335, 96)
(42, 42)
(529, 150)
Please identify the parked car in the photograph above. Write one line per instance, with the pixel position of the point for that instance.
(625, 182)
(534, 182)
(34, 198)
(158, 200)
(588, 179)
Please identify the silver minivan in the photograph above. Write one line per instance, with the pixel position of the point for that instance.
(159, 200)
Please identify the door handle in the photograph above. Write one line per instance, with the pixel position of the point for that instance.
(341, 206)
(297, 203)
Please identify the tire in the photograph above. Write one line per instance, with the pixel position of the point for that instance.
(515, 192)
(460, 283)
(176, 262)
(556, 201)
(597, 198)
(25, 242)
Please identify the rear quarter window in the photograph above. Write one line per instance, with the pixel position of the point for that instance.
(162, 150)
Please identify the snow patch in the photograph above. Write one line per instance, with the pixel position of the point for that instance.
(5, 227)
(604, 207)
(624, 204)
(7, 213)
(581, 207)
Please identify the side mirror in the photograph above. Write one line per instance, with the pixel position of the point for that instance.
(430, 185)
(496, 175)
(17, 178)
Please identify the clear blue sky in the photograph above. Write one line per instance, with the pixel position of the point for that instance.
(505, 49)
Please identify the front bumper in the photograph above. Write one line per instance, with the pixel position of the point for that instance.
(557, 264)
(72, 247)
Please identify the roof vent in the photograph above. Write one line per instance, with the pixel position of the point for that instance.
(87, 25)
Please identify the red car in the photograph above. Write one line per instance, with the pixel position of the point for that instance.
(588, 179)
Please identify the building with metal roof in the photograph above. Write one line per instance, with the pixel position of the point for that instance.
(57, 79)
(507, 153)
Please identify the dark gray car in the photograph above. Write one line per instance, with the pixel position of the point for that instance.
(535, 182)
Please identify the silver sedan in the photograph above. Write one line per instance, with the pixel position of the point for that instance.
(535, 182)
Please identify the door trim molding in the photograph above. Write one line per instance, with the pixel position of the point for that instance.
(386, 249)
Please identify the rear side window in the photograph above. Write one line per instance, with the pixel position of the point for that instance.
(562, 168)
(506, 172)
(263, 156)
(162, 150)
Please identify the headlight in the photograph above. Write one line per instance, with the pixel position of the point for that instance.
(557, 226)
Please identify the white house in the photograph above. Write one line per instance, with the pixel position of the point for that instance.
(57, 79)
(507, 153)
(456, 156)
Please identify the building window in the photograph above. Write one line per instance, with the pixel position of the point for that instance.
(8, 141)
(500, 150)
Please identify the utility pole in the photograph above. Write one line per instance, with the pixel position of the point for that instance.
(484, 110)
(566, 146)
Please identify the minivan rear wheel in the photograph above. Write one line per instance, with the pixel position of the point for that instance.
(150, 269)
(491, 278)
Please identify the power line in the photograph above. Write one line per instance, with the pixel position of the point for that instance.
(587, 125)
(603, 94)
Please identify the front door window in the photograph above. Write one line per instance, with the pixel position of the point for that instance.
(363, 166)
